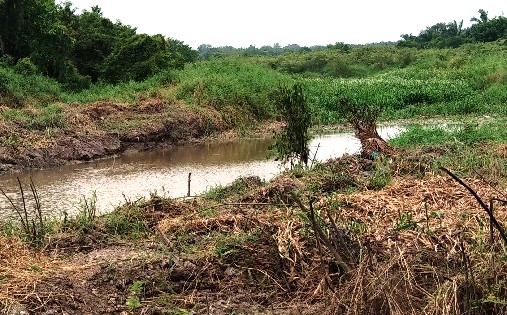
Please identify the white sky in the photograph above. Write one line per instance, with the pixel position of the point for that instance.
(241, 23)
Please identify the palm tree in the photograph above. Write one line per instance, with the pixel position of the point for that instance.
(482, 18)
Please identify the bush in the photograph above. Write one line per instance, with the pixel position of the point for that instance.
(236, 82)
(292, 143)
(25, 66)
(137, 58)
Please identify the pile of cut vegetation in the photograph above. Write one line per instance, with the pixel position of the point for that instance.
(320, 240)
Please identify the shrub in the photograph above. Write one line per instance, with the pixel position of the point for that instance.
(25, 66)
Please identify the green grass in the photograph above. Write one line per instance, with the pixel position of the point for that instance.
(122, 92)
(221, 193)
(16, 89)
(42, 118)
(235, 82)
(468, 150)
(405, 83)
(467, 134)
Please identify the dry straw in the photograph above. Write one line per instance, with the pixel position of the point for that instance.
(21, 268)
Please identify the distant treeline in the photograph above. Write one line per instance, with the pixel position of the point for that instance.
(440, 35)
(206, 51)
(451, 35)
(42, 37)
(39, 36)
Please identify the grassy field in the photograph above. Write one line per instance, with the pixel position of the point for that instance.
(391, 235)
(404, 83)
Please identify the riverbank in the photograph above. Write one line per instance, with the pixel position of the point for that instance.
(104, 129)
(398, 237)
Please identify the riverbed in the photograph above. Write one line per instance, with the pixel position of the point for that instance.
(113, 181)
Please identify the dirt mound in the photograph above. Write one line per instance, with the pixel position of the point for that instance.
(100, 110)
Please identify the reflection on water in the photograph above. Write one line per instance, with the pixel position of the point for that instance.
(165, 171)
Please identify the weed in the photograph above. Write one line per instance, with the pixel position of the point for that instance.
(125, 222)
(405, 222)
(136, 290)
(33, 229)
(50, 116)
(381, 174)
(357, 227)
(87, 211)
(231, 244)
(9, 228)
(236, 188)
(12, 141)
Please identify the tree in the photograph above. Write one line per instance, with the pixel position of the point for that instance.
(179, 53)
(292, 143)
(95, 39)
(136, 58)
(440, 35)
(363, 117)
(12, 22)
(486, 29)
(483, 17)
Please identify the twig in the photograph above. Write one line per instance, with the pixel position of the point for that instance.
(338, 234)
(166, 240)
(18, 211)
(315, 155)
(23, 199)
(253, 204)
(497, 224)
(38, 207)
(321, 235)
(491, 236)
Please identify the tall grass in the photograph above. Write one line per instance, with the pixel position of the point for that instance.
(405, 83)
(231, 82)
(17, 90)
(468, 134)
(122, 92)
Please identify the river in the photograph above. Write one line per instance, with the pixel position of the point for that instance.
(163, 171)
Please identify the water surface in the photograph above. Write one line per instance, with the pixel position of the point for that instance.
(164, 171)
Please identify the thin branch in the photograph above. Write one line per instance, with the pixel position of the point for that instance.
(23, 199)
(321, 235)
(495, 222)
(166, 240)
(18, 211)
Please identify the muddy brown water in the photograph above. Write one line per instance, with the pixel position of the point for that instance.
(163, 171)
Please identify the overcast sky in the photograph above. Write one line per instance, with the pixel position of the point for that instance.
(241, 23)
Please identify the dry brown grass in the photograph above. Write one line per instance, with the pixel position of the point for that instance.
(424, 247)
(21, 268)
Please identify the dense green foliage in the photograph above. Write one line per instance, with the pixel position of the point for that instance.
(97, 59)
(293, 142)
(231, 83)
(77, 49)
(442, 35)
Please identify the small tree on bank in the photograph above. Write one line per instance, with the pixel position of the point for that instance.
(363, 117)
(292, 143)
